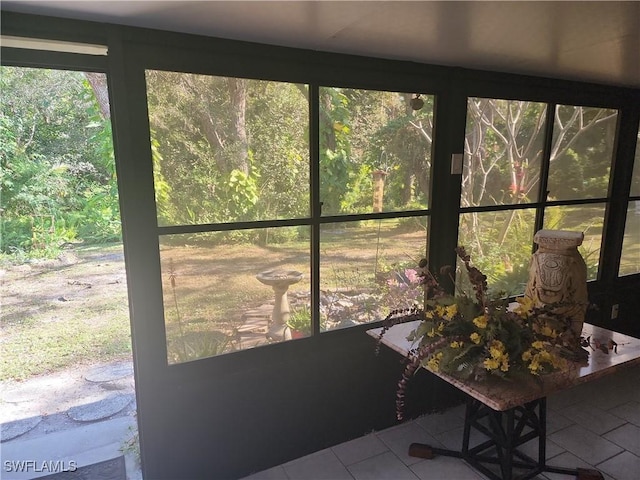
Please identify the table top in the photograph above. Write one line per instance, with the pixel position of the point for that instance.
(502, 395)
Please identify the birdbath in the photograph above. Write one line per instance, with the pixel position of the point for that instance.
(279, 281)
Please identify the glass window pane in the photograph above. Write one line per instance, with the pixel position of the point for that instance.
(227, 149)
(581, 152)
(500, 245)
(367, 269)
(635, 179)
(375, 151)
(582, 218)
(503, 150)
(221, 290)
(630, 259)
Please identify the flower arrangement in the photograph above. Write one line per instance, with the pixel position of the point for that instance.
(477, 337)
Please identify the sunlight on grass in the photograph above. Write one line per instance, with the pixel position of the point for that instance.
(47, 347)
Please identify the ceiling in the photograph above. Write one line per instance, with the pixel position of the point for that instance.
(591, 41)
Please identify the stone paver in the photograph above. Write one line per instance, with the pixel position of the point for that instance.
(18, 427)
(101, 409)
(109, 373)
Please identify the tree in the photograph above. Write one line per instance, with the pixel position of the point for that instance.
(236, 145)
(56, 161)
(504, 145)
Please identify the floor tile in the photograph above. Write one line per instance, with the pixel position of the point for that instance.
(382, 467)
(565, 460)
(359, 449)
(613, 390)
(441, 468)
(531, 449)
(627, 436)
(275, 473)
(565, 398)
(441, 422)
(322, 465)
(592, 418)
(585, 444)
(453, 438)
(611, 397)
(399, 439)
(629, 411)
(622, 467)
(610, 406)
(556, 421)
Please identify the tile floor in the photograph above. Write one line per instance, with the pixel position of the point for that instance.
(594, 425)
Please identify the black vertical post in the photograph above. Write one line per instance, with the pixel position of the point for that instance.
(448, 132)
(316, 207)
(542, 432)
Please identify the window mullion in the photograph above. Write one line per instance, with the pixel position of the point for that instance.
(316, 206)
(543, 194)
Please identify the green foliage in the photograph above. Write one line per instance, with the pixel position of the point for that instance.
(238, 147)
(567, 176)
(506, 264)
(57, 169)
(300, 320)
(240, 193)
(198, 345)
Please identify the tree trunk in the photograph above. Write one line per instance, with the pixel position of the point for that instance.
(238, 95)
(98, 82)
(327, 133)
(407, 188)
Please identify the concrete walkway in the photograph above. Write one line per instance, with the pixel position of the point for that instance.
(72, 418)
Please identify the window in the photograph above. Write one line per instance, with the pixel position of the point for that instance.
(375, 151)
(506, 191)
(375, 158)
(630, 258)
(232, 177)
(579, 169)
(503, 149)
(228, 149)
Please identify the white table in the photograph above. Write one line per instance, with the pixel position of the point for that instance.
(513, 413)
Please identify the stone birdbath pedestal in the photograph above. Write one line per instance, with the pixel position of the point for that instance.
(279, 281)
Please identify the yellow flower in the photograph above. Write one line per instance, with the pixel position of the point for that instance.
(481, 321)
(451, 311)
(440, 327)
(547, 331)
(538, 345)
(440, 311)
(540, 358)
(431, 333)
(434, 362)
(491, 363)
(525, 305)
(496, 349)
(504, 365)
(534, 366)
(544, 356)
(475, 338)
(456, 344)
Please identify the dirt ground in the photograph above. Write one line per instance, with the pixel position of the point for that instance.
(73, 310)
(82, 290)
(68, 311)
(76, 276)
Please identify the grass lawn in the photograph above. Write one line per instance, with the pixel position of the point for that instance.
(60, 313)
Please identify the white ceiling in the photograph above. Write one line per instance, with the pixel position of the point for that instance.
(592, 41)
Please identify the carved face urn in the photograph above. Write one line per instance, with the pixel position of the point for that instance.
(558, 276)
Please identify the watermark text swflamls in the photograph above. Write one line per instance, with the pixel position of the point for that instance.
(35, 466)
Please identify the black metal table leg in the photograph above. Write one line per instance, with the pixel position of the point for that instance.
(506, 431)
